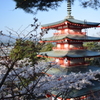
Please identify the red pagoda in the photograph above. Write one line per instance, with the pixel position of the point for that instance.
(69, 52)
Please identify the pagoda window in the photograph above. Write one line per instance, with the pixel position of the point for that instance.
(59, 27)
(65, 61)
(59, 31)
(66, 31)
(66, 23)
(65, 26)
(58, 45)
(71, 31)
(65, 45)
(65, 40)
(72, 99)
(57, 60)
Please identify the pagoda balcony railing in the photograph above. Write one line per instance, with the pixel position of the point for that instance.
(71, 65)
(78, 64)
(79, 33)
(78, 48)
(73, 48)
(56, 48)
(74, 33)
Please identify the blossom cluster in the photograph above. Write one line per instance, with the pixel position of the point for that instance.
(28, 79)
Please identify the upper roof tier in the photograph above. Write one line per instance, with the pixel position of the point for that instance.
(70, 22)
(83, 38)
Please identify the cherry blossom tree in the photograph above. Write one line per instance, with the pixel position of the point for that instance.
(21, 79)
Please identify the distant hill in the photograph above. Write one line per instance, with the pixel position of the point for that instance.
(12, 39)
(5, 39)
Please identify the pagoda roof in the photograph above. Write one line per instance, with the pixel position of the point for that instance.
(83, 69)
(72, 37)
(72, 21)
(71, 53)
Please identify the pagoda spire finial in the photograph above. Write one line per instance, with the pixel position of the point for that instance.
(69, 9)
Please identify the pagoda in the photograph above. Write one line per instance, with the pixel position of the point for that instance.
(69, 51)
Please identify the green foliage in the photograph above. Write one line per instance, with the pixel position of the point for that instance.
(25, 49)
(96, 61)
(95, 4)
(92, 46)
(47, 47)
(89, 45)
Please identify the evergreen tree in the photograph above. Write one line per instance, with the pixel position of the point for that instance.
(32, 6)
(47, 47)
(25, 49)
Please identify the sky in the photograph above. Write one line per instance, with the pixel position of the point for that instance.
(19, 19)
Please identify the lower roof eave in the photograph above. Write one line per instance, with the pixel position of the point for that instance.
(79, 96)
(74, 93)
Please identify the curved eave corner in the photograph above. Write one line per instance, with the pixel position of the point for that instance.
(53, 25)
(98, 25)
(85, 23)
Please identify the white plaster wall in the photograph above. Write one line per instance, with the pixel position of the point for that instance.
(66, 31)
(58, 45)
(59, 31)
(65, 61)
(65, 45)
(57, 60)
